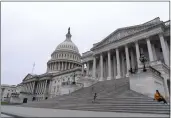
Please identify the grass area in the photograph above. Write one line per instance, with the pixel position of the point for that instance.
(4, 103)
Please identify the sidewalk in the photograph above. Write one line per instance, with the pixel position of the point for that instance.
(43, 112)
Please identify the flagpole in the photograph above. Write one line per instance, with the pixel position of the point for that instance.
(33, 68)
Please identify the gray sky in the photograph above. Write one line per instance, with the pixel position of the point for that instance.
(30, 31)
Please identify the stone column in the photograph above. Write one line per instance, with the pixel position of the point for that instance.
(122, 64)
(154, 52)
(118, 64)
(33, 87)
(164, 49)
(168, 49)
(114, 67)
(55, 65)
(45, 88)
(167, 45)
(36, 91)
(62, 66)
(127, 61)
(138, 54)
(83, 68)
(71, 65)
(87, 68)
(59, 66)
(101, 67)
(40, 87)
(94, 67)
(65, 65)
(49, 89)
(132, 59)
(29, 86)
(109, 66)
(150, 53)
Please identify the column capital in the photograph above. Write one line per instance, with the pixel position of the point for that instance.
(126, 45)
(147, 37)
(161, 33)
(136, 42)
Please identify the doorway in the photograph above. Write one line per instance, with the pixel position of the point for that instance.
(25, 100)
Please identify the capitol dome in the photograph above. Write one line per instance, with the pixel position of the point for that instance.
(66, 56)
(67, 45)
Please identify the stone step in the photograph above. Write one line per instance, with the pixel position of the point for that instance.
(119, 108)
(122, 104)
(126, 110)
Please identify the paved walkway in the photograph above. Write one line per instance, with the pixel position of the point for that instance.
(43, 112)
(3, 115)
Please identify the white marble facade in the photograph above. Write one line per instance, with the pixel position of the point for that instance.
(114, 56)
(111, 58)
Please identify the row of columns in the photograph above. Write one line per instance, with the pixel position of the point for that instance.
(41, 87)
(165, 51)
(29, 87)
(59, 66)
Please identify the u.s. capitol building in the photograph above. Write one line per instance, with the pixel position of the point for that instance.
(139, 53)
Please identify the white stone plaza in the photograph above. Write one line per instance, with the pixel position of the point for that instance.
(43, 112)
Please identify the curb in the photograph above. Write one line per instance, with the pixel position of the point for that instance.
(12, 115)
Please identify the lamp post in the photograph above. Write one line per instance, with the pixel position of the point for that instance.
(143, 60)
(74, 77)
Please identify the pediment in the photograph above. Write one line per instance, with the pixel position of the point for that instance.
(126, 31)
(28, 76)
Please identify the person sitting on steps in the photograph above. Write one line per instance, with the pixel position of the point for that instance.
(159, 97)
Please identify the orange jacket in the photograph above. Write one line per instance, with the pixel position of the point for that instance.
(157, 96)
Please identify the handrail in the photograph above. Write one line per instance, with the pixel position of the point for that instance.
(155, 71)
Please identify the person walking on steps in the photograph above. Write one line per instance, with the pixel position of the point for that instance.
(159, 97)
(95, 96)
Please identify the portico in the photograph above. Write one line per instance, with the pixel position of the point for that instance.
(126, 53)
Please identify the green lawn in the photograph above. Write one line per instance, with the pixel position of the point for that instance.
(3, 103)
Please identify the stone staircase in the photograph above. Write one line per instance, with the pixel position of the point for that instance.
(112, 96)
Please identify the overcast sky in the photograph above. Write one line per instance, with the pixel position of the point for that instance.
(30, 31)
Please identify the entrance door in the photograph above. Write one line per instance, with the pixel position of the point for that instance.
(25, 100)
(33, 99)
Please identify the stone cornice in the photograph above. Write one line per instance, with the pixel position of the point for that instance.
(67, 51)
(87, 54)
(86, 59)
(63, 60)
(67, 71)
